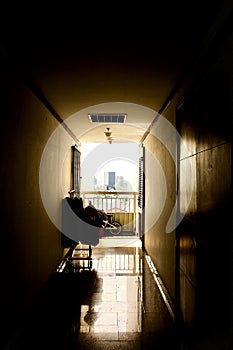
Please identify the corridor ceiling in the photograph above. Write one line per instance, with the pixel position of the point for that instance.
(126, 65)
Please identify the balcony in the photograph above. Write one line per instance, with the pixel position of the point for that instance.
(121, 204)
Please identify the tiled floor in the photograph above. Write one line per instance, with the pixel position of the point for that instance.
(115, 304)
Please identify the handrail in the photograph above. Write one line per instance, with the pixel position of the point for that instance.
(128, 197)
(110, 192)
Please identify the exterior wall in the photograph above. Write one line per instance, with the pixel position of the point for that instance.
(31, 243)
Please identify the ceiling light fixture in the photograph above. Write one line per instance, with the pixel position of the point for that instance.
(108, 134)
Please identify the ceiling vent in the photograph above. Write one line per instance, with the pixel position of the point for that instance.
(107, 117)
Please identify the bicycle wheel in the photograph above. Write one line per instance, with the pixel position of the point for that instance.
(117, 229)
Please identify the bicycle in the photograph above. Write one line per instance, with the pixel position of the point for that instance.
(113, 226)
(98, 217)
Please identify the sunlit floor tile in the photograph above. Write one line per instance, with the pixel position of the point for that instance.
(109, 296)
(106, 332)
(109, 283)
(107, 319)
(110, 306)
(128, 322)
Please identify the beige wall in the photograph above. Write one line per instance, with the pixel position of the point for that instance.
(30, 242)
(159, 202)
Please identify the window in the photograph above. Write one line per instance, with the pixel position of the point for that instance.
(76, 169)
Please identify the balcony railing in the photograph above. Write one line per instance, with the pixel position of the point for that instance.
(121, 204)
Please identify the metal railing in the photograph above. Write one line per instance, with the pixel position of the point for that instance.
(122, 204)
